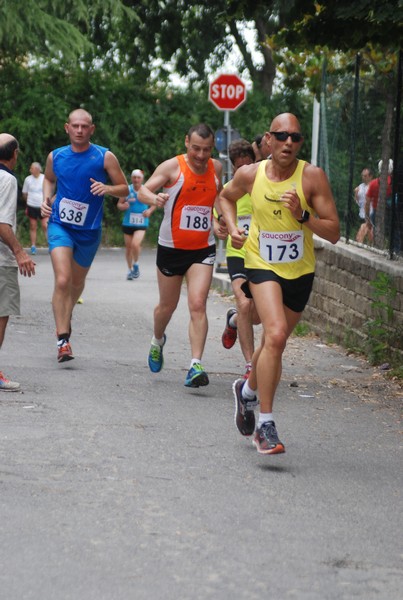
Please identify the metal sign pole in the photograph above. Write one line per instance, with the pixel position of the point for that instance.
(220, 257)
(227, 127)
(221, 266)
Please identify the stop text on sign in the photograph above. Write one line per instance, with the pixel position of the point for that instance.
(227, 92)
(224, 90)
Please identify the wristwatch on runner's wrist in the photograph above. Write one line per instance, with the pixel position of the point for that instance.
(304, 216)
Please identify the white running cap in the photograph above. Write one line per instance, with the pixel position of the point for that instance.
(137, 173)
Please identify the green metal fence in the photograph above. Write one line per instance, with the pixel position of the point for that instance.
(359, 126)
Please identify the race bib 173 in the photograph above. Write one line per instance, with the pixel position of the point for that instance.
(281, 246)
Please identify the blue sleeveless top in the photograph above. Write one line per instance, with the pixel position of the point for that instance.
(133, 215)
(75, 206)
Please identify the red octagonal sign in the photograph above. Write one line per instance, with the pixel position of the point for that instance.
(227, 92)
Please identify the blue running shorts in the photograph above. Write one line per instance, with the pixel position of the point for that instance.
(84, 243)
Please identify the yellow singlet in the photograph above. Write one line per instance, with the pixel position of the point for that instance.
(243, 214)
(276, 240)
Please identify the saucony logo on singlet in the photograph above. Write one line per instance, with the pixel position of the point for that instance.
(203, 210)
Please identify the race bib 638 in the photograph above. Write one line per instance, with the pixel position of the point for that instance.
(72, 211)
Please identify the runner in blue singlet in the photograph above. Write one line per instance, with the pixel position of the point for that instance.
(135, 223)
(79, 171)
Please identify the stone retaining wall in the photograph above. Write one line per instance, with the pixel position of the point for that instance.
(340, 302)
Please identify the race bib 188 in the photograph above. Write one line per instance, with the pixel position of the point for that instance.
(72, 211)
(196, 218)
(281, 246)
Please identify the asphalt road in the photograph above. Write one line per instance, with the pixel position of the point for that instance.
(119, 484)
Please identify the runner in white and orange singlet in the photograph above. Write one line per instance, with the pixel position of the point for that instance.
(186, 244)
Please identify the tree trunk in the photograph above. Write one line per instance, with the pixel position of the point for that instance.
(380, 232)
(268, 72)
(263, 76)
(243, 48)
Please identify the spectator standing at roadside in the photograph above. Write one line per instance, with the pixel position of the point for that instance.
(12, 255)
(135, 223)
(80, 171)
(33, 195)
(360, 194)
(291, 201)
(372, 196)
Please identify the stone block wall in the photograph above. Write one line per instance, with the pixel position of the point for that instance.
(341, 298)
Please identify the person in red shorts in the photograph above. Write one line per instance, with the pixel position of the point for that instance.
(372, 195)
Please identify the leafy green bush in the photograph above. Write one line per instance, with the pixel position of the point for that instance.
(383, 334)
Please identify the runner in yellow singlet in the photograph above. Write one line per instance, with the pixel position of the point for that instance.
(240, 320)
(291, 201)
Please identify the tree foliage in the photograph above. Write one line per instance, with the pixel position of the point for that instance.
(149, 39)
(195, 38)
(114, 58)
(346, 25)
(51, 29)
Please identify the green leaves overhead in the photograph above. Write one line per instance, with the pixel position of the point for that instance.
(345, 25)
(57, 30)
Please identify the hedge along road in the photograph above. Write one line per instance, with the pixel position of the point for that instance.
(117, 483)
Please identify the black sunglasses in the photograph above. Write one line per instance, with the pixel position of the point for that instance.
(282, 136)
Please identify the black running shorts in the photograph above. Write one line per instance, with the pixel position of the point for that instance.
(130, 230)
(34, 212)
(236, 268)
(296, 292)
(174, 261)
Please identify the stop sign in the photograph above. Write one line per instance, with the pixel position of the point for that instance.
(227, 92)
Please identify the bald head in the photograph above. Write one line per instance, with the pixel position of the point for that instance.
(8, 147)
(80, 113)
(286, 122)
(79, 128)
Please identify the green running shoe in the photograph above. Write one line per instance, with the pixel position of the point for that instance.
(196, 377)
(155, 357)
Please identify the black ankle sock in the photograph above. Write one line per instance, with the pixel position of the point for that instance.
(63, 336)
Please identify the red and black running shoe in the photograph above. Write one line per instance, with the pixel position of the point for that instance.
(230, 333)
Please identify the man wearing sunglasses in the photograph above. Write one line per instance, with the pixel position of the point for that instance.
(291, 201)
